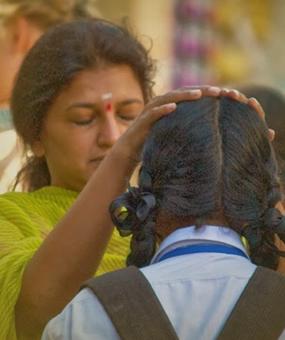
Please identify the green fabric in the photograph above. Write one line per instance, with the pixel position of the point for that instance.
(6, 122)
(25, 220)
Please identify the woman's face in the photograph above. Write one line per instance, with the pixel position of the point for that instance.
(82, 125)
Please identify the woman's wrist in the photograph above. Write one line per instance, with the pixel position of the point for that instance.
(125, 151)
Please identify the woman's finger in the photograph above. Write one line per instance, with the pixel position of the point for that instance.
(160, 111)
(187, 93)
(271, 134)
(253, 102)
(175, 96)
(207, 90)
(211, 91)
(236, 95)
(149, 116)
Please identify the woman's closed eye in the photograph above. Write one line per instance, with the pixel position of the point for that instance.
(126, 116)
(84, 118)
(129, 110)
(83, 122)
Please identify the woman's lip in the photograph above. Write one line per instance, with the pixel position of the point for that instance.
(97, 160)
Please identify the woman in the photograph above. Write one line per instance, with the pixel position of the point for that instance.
(22, 22)
(208, 194)
(78, 90)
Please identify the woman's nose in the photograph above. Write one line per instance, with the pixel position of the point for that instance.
(109, 132)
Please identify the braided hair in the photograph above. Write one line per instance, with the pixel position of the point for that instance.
(273, 103)
(210, 156)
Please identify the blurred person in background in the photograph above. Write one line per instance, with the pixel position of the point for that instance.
(22, 22)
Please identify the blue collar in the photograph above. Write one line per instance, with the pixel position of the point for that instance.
(202, 248)
(205, 234)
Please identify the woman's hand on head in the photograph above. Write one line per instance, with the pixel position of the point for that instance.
(252, 102)
(131, 142)
(215, 91)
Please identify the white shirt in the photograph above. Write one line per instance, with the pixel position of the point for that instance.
(198, 291)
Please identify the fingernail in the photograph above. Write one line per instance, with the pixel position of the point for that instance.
(171, 106)
(196, 92)
(271, 134)
(235, 92)
(215, 89)
(254, 100)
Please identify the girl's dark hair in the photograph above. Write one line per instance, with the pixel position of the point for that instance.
(209, 158)
(52, 64)
(273, 103)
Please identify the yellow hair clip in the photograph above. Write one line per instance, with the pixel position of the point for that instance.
(245, 243)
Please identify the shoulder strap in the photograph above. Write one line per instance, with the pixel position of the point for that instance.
(132, 305)
(259, 312)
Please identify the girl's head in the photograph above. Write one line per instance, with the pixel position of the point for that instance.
(209, 162)
(75, 67)
(22, 22)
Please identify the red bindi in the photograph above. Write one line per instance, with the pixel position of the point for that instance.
(108, 107)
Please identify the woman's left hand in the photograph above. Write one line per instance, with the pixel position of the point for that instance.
(252, 102)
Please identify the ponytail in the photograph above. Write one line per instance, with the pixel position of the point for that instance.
(261, 234)
(33, 175)
(133, 213)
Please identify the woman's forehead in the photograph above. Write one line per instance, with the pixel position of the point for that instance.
(89, 88)
(117, 80)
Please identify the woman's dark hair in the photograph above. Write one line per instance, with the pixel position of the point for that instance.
(273, 103)
(52, 64)
(209, 158)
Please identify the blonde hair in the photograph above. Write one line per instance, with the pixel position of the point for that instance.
(47, 13)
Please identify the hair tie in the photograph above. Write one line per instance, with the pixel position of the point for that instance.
(253, 234)
(131, 209)
(275, 222)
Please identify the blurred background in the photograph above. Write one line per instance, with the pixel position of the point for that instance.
(208, 41)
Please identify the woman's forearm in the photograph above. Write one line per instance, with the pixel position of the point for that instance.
(72, 252)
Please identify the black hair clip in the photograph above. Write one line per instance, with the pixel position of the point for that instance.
(131, 210)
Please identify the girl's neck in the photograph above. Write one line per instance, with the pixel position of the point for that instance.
(165, 225)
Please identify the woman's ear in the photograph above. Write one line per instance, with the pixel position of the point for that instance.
(38, 148)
